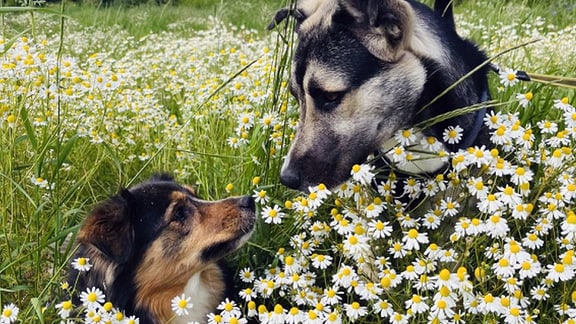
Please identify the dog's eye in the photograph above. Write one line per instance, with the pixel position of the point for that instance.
(180, 214)
(332, 96)
(326, 100)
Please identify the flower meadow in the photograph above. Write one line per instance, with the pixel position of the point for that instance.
(87, 111)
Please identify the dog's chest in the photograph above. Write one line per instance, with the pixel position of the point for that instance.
(206, 291)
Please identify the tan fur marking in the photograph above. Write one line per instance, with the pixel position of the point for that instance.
(178, 196)
(328, 80)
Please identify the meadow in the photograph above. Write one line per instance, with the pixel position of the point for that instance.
(93, 100)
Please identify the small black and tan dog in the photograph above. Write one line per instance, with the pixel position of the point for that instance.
(156, 241)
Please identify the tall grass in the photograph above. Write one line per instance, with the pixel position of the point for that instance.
(94, 100)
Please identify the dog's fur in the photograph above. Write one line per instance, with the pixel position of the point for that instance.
(364, 69)
(157, 240)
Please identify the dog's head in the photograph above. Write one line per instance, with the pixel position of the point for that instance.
(148, 241)
(359, 72)
(356, 84)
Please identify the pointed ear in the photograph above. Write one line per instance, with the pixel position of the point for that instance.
(108, 230)
(161, 177)
(385, 27)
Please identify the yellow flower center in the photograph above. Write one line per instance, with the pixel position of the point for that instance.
(444, 274)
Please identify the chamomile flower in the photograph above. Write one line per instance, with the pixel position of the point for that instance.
(247, 294)
(497, 226)
(405, 137)
(331, 296)
(490, 204)
(508, 196)
(569, 226)
(398, 250)
(321, 261)
(345, 276)
(522, 175)
(92, 298)
(9, 314)
(261, 196)
(181, 305)
(539, 292)
(508, 77)
(489, 304)
(570, 118)
(321, 191)
(417, 304)
(432, 219)
(529, 268)
(524, 99)
(81, 264)
(214, 318)
(501, 136)
(412, 239)
(228, 309)
(503, 268)
(354, 310)
(452, 134)
(431, 144)
(449, 207)
(333, 317)
(375, 208)
(547, 127)
(560, 272)
(246, 275)
(363, 173)
(563, 104)
(379, 229)
(64, 308)
(40, 182)
(272, 215)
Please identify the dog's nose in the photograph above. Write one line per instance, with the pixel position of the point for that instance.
(290, 178)
(247, 202)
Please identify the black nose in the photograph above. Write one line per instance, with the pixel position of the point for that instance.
(247, 202)
(290, 178)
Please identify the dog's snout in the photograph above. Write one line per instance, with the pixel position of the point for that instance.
(247, 202)
(290, 178)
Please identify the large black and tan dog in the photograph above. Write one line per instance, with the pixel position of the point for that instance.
(156, 241)
(365, 69)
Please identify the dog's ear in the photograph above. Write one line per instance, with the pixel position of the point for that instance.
(279, 17)
(384, 27)
(301, 10)
(161, 177)
(107, 232)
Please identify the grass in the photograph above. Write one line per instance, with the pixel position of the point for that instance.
(112, 95)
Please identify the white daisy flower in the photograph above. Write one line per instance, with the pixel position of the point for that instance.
(181, 305)
(92, 298)
(9, 314)
(81, 264)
